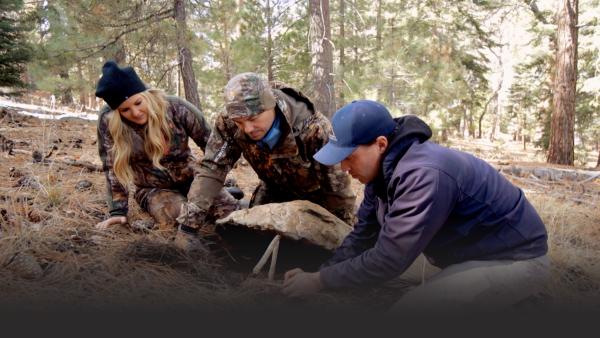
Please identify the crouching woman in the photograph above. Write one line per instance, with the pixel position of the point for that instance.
(143, 140)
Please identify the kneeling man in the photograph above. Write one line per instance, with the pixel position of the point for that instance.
(420, 197)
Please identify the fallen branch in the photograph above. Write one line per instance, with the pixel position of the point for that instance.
(527, 181)
(19, 151)
(274, 259)
(591, 178)
(266, 255)
(548, 174)
(88, 166)
(580, 201)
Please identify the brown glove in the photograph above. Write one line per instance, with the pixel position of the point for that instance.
(203, 191)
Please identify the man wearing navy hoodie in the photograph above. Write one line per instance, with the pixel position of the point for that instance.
(422, 198)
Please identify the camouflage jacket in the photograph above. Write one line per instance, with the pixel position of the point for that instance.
(185, 120)
(289, 166)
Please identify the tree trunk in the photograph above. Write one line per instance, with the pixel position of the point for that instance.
(355, 40)
(225, 45)
(270, 75)
(185, 56)
(493, 98)
(341, 46)
(120, 55)
(378, 39)
(321, 57)
(495, 119)
(562, 137)
(464, 121)
(66, 95)
(82, 92)
(379, 24)
(598, 150)
(471, 123)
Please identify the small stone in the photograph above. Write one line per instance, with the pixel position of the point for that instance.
(83, 185)
(76, 142)
(37, 156)
(143, 224)
(28, 182)
(34, 216)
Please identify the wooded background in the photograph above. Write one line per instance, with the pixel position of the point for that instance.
(470, 68)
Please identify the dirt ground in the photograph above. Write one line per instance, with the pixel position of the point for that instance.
(48, 210)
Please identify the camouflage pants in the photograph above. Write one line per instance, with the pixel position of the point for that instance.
(164, 205)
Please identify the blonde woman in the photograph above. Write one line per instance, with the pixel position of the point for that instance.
(143, 141)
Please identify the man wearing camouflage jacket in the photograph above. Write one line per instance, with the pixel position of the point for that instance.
(278, 131)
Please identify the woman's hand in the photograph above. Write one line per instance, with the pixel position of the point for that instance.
(111, 221)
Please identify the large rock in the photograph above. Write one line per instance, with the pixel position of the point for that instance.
(295, 220)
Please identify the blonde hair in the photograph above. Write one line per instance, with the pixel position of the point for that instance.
(157, 135)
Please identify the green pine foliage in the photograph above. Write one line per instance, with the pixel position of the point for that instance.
(15, 51)
(440, 59)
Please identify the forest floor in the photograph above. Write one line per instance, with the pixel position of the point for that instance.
(48, 209)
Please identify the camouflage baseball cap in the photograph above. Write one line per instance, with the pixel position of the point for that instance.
(247, 94)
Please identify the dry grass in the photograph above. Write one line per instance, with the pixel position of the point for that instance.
(54, 222)
(574, 248)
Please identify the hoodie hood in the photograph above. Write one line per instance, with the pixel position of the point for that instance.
(409, 129)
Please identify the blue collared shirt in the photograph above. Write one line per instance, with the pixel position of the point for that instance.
(273, 135)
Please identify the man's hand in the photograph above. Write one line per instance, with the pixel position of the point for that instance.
(298, 283)
(104, 225)
(192, 216)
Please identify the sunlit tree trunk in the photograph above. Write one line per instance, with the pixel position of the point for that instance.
(598, 149)
(190, 85)
(321, 57)
(269, 13)
(562, 137)
(378, 39)
(341, 47)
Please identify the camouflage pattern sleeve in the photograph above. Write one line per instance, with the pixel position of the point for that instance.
(221, 154)
(335, 184)
(117, 194)
(192, 120)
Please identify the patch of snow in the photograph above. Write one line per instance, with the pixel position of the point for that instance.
(85, 116)
(47, 113)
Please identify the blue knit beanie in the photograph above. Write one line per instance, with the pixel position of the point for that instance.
(118, 84)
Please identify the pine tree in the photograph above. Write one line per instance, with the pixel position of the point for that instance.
(14, 50)
(562, 150)
(323, 92)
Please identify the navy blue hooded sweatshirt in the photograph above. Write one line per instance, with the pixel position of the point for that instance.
(447, 204)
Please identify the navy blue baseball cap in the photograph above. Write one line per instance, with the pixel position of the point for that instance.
(359, 122)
